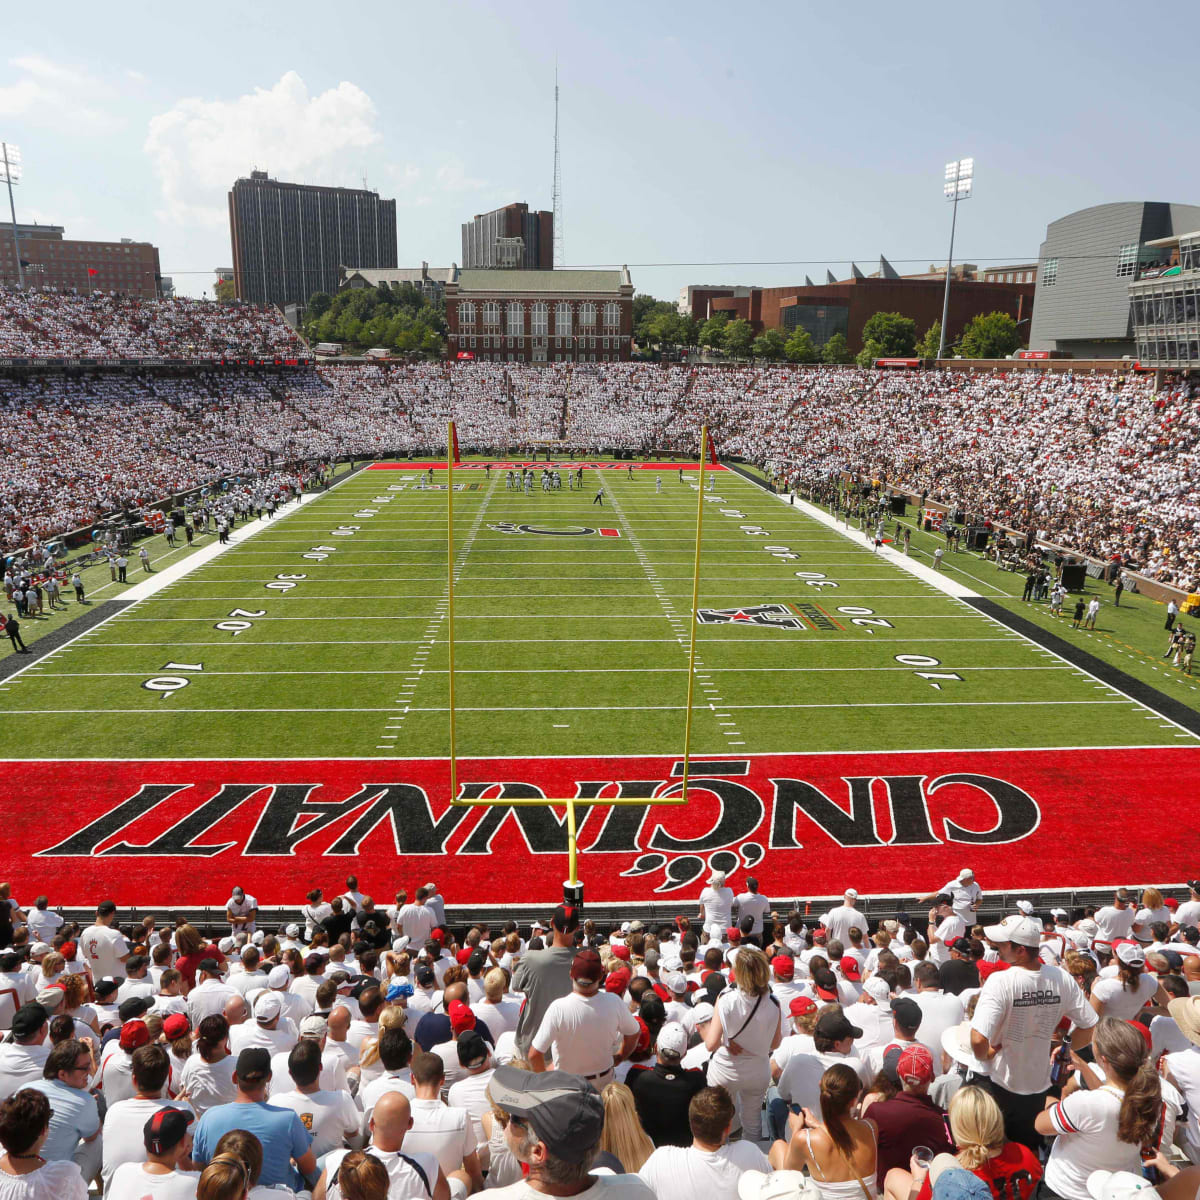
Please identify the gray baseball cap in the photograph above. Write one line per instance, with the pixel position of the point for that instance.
(565, 1111)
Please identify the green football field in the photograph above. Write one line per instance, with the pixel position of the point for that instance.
(324, 635)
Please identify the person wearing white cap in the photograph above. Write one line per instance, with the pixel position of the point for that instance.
(716, 902)
(710, 1165)
(965, 895)
(837, 921)
(279, 979)
(269, 1028)
(1133, 987)
(699, 1054)
(1016, 1015)
(662, 1092)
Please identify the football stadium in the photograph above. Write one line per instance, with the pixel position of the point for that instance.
(551, 727)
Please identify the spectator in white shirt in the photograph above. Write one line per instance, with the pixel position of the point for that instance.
(751, 904)
(965, 895)
(945, 927)
(837, 921)
(470, 1092)
(939, 1010)
(711, 1166)
(331, 1117)
(716, 902)
(43, 924)
(166, 1143)
(102, 947)
(23, 1058)
(241, 911)
(446, 1133)
(1114, 922)
(498, 1012)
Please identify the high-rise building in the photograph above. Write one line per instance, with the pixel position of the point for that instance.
(509, 238)
(51, 262)
(290, 238)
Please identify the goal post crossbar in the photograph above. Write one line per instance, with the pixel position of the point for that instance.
(569, 803)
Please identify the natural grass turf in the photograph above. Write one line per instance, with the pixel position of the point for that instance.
(565, 644)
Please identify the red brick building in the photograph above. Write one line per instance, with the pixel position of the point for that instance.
(540, 316)
(51, 262)
(847, 305)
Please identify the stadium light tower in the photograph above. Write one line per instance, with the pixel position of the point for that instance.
(959, 177)
(10, 164)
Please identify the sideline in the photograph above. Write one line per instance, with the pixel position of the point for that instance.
(52, 643)
(1156, 703)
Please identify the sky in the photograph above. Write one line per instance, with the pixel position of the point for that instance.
(701, 142)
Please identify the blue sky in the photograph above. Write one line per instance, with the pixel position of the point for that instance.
(692, 133)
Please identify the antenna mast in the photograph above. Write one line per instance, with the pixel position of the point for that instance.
(559, 254)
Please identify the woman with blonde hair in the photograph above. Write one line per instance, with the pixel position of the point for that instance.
(839, 1151)
(225, 1178)
(391, 1017)
(977, 1125)
(75, 1005)
(1153, 911)
(623, 1136)
(745, 1028)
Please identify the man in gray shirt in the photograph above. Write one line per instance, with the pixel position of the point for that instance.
(545, 975)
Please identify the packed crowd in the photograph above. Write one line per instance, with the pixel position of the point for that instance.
(377, 1053)
(44, 325)
(1099, 463)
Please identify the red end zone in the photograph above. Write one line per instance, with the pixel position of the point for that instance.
(182, 833)
(562, 464)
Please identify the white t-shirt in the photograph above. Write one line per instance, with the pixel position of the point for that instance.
(416, 923)
(123, 1139)
(962, 897)
(839, 921)
(1114, 923)
(1188, 913)
(470, 1094)
(499, 1018)
(331, 1079)
(43, 924)
(753, 1033)
(446, 1133)
(247, 905)
(208, 1084)
(404, 1182)
(1121, 1003)
(392, 1081)
(1018, 1010)
(331, 1117)
(1184, 1066)
(1086, 1123)
(939, 1011)
(683, 1173)
(949, 929)
(131, 1182)
(604, 1187)
(584, 1031)
(800, 1080)
(751, 904)
(718, 906)
(102, 948)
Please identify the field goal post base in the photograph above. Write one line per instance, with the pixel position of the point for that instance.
(572, 885)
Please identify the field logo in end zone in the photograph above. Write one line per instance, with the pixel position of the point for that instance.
(178, 832)
(570, 531)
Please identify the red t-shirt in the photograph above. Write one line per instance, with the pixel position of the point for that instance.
(187, 964)
(1012, 1174)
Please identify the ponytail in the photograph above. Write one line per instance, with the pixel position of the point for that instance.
(1130, 975)
(1128, 1059)
(840, 1087)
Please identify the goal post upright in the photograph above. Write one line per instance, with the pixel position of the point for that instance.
(572, 887)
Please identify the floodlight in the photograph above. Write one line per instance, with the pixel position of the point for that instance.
(957, 186)
(10, 164)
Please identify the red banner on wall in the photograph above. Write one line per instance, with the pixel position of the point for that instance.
(160, 833)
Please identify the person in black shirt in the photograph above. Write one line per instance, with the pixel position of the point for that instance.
(339, 921)
(959, 971)
(663, 1092)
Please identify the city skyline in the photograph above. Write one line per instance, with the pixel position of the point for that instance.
(692, 151)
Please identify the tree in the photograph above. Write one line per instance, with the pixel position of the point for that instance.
(739, 336)
(869, 353)
(989, 335)
(712, 332)
(895, 334)
(928, 346)
(667, 329)
(836, 350)
(799, 348)
(226, 292)
(769, 345)
(643, 305)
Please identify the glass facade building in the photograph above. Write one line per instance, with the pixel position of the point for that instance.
(1164, 305)
(821, 321)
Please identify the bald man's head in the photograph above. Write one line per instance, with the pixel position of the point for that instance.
(235, 1010)
(455, 991)
(390, 1121)
(339, 1022)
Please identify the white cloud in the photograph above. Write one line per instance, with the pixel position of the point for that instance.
(200, 147)
(50, 92)
(453, 177)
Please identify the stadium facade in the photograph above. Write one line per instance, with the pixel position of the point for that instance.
(1164, 304)
(1085, 268)
(540, 316)
(289, 239)
(509, 238)
(54, 263)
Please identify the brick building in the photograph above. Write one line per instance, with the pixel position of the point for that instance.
(511, 237)
(52, 262)
(844, 306)
(540, 316)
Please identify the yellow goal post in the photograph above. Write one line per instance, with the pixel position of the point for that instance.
(572, 887)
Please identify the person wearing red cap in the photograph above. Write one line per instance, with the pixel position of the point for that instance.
(910, 1118)
(584, 1026)
(784, 987)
